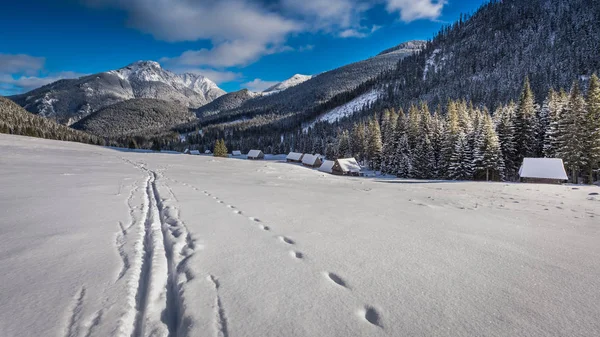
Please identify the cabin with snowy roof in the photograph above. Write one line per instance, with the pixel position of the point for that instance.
(255, 155)
(543, 171)
(327, 166)
(207, 152)
(294, 157)
(236, 153)
(311, 160)
(346, 167)
(195, 152)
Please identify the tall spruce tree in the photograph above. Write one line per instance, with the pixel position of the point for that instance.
(491, 161)
(461, 162)
(572, 133)
(525, 125)
(592, 127)
(374, 146)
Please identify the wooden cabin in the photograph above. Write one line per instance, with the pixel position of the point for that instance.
(543, 171)
(346, 167)
(294, 157)
(207, 152)
(195, 152)
(311, 160)
(236, 153)
(327, 166)
(255, 155)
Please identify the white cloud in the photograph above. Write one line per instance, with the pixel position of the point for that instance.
(26, 83)
(20, 63)
(216, 76)
(240, 31)
(227, 54)
(259, 85)
(411, 10)
(352, 33)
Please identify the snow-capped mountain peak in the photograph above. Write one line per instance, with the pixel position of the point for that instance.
(64, 100)
(290, 82)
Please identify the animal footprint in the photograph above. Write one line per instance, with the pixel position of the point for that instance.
(254, 219)
(371, 315)
(237, 211)
(336, 279)
(297, 255)
(286, 240)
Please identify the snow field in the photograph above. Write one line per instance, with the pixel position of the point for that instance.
(114, 243)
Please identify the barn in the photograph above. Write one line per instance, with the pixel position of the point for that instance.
(255, 155)
(195, 152)
(346, 167)
(236, 153)
(294, 157)
(311, 160)
(543, 171)
(327, 166)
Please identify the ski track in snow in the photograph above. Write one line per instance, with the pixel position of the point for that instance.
(159, 269)
(220, 317)
(367, 313)
(76, 311)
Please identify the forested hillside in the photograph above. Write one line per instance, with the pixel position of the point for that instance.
(142, 116)
(485, 57)
(470, 74)
(17, 121)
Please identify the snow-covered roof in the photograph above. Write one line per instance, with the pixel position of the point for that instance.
(327, 166)
(207, 152)
(349, 165)
(195, 152)
(546, 168)
(236, 153)
(294, 156)
(254, 153)
(309, 159)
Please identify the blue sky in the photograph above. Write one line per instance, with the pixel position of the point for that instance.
(236, 43)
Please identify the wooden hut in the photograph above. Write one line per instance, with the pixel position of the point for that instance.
(346, 167)
(311, 160)
(207, 152)
(236, 153)
(294, 157)
(543, 171)
(327, 166)
(195, 152)
(255, 155)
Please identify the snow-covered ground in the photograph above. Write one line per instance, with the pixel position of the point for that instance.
(347, 109)
(100, 242)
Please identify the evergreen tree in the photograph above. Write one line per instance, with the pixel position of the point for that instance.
(437, 142)
(423, 155)
(525, 125)
(491, 161)
(343, 148)
(461, 162)
(572, 133)
(592, 127)
(220, 150)
(403, 158)
(506, 135)
(374, 146)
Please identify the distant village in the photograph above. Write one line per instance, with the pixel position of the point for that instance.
(532, 170)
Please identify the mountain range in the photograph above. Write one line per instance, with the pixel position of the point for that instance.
(70, 100)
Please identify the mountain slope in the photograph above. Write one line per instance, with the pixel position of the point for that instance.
(486, 57)
(290, 82)
(70, 100)
(226, 102)
(317, 90)
(17, 121)
(134, 117)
